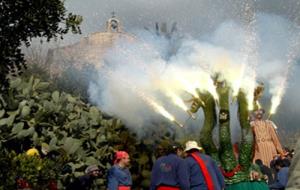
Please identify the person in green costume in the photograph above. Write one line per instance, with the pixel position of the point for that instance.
(239, 172)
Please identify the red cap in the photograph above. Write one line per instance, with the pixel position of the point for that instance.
(120, 155)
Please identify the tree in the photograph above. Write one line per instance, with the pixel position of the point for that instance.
(22, 20)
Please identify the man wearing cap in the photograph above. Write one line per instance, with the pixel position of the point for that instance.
(169, 171)
(85, 182)
(203, 170)
(267, 143)
(119, 177)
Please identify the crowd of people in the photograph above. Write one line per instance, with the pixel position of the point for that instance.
(178, 168)
(189, 168)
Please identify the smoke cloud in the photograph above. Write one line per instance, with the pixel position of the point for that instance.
(138, 73)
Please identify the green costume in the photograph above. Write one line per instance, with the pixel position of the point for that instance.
(235, 170)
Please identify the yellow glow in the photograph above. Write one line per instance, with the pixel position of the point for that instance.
(275, 101)
(248, 87)
(188, 86)
(258, 104)
(162, 110)
(236, 84)
(232, 72)
(177, 100)
(210, 87)
(158, 108)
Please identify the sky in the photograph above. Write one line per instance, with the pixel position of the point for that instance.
(208, 25)
(195, 17)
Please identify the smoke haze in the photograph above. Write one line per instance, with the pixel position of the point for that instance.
(219, 36)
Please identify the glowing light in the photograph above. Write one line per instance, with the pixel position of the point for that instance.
(188, 87)
(249, 88)
(160, 109)
(236, 83)
(276, 98)
(258, 104)
(232, 72)
(279, 92)
(163, 112)
(210, 86)
(177, 100)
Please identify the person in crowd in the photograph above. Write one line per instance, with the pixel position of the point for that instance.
(265, 171)
(179, 150)
(294, 169)
(203, 170)
(86, 181)
(267, 143)
(169, 171)
(282, 176)
(287, 158)
(119, 176)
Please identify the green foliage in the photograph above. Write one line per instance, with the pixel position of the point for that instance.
(31, 115)
(22, 20)
(71, 80)
(37, 172)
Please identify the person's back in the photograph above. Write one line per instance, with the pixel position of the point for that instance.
(197, 178)
(81, 183)
(169, 171)
(203, 170)
(265, 170)
(294, 169)
(282, 176)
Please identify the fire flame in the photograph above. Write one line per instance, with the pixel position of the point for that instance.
(277, 97)
(177, 100)
(249, 87)
(160, 109)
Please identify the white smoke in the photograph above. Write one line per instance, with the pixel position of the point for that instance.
(142, 68)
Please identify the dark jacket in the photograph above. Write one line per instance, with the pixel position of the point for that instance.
(82, 183)
(170, 170)
(197, 180)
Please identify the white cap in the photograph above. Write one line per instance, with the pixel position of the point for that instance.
(91, 168)
(192, 145)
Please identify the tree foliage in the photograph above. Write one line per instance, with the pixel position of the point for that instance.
(31, 115)
(22, 20)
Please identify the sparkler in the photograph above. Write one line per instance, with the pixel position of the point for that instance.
(160, 109)
(179, 102)
(277, 97)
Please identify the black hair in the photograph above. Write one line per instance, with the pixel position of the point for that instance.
(259, 162)
(279, 162)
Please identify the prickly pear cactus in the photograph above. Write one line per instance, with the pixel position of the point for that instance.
(32, 116)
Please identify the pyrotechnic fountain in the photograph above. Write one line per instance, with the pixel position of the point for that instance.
(201, 76)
